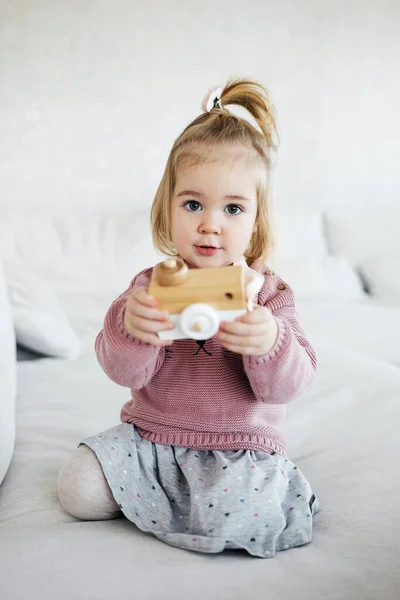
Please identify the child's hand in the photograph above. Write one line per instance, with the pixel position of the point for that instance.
(142, 320)
(252, 334)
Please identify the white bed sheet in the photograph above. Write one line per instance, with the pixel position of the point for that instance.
(343, 433)
(368, 327)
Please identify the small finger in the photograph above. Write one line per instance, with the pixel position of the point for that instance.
(143, 297)
(258, 315)
(153, 339)
(148, 325)
(146, 312)
(243, 350)
(242, 329)
(235, 340)
(150, 300)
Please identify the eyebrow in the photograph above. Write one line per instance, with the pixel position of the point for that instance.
(198, 195)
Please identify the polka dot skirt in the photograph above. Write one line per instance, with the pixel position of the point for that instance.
(207, 501)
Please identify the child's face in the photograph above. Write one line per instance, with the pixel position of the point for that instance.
(213, 212)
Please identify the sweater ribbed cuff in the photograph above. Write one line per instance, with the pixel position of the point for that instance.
(123, 334)
(277, 350)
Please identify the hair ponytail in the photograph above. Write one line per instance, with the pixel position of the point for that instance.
(253, 97)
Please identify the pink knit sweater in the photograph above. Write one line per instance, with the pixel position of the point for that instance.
(199, 395)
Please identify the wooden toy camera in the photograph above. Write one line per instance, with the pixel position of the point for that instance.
(199, 299)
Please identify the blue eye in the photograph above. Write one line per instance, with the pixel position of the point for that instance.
(192, 205)
(233, 209)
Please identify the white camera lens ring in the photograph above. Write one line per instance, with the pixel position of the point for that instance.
(199, 321)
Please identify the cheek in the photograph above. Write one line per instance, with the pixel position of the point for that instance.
(246, 227)
(243, 233)
(174, 216)
(186, 222)
(180, 230)
(175, 222)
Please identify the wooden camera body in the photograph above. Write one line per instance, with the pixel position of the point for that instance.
(199, 299)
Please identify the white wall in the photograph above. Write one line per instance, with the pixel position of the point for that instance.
(93, 93)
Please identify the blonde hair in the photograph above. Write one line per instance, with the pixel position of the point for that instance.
(220, 129)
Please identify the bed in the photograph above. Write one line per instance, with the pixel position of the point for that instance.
(343, 432)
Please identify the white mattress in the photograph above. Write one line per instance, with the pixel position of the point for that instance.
(343, 433)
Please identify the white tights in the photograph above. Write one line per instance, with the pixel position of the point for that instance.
(83, 490)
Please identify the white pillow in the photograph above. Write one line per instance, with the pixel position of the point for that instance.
(329, 278)
(88, 287)
(299, 234)
(56, 245)
(301, 258)
(362, 232)
(382, 276)
(39, 319)
(91, 274)
(8, 378)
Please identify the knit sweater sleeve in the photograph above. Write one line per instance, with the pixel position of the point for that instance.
(126, 360)
(289, 367)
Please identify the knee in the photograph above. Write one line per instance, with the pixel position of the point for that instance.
(72, 485)
(82, 488)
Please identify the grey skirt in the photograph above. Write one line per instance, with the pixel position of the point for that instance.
(205, 500)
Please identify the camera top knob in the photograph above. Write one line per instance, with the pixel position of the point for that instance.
(172, 271)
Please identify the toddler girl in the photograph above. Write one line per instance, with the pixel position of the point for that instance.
(198, 460)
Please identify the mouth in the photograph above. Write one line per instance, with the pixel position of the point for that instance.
(207, 250)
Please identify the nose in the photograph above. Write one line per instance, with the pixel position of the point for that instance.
(210, 224)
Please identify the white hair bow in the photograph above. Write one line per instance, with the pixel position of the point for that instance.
(212, 99)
